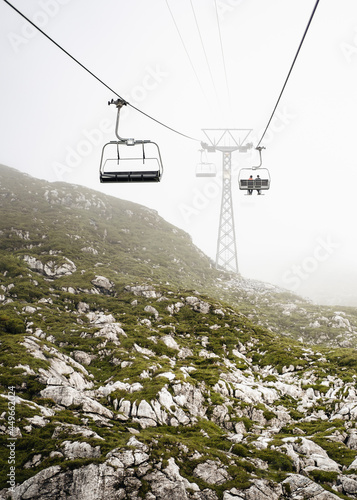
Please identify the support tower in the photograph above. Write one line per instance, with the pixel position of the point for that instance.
(227, 141)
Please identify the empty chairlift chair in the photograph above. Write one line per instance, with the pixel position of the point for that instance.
(204, 168)
(254, 178)
(130, 160)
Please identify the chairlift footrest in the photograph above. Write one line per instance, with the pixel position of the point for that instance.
(140, 176)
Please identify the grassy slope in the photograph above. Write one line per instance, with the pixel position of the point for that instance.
(126, 251)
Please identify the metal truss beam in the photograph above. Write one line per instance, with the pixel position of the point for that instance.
(226, 256)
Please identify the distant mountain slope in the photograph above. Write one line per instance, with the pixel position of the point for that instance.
(95, 229)
(56, 222)
(131, 369)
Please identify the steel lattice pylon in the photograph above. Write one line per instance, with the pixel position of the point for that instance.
(227, 141)
(226, 256)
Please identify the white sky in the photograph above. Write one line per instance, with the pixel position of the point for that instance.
(54, 118)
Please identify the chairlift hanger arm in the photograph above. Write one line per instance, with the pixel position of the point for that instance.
(259, 148)
(119, 103)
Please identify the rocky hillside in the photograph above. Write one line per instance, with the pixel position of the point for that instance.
(69, 233)
(131, 369)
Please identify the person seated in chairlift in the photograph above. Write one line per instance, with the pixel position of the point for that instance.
(258, 182)
(250, 191)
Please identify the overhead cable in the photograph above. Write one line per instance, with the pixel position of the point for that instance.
(222, 52)
(187, 53)
(204, 50)
(291, 68)
(95, 76)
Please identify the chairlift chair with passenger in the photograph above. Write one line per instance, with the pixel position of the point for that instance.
(255, 177)
(130, 160)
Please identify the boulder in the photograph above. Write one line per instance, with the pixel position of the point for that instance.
(146, 411)
(103, 283)
(261, 489)
(82, 357)
(190, 397)
(301, 487)
(72, 450)
(312, 456)
(68, 396)
(99, 318)
(51, 269)
(151, 310)
(74, 429)
(170, 342)
(212, 472)
(198, 305)
(170, 484)
(110, 331)
(91, 482)
(143, 291)
(349, 484)
(143, 350)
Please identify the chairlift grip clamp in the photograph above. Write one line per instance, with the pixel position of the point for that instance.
(119, 103)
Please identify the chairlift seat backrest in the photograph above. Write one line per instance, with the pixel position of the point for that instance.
(254, 184)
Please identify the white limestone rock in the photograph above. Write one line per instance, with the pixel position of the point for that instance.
(212, 472)
(68, 396)
(51, 269)
(261, 489)
(110, 331)
(38, 421)
(198, 305)
(99, 318)
(349, 484)
(82, 357)
(172, 471)
(302, 487)
(143, 291)
(169, 375)
(76, 449)
(83, 307)
(73, 430)
(143, 350)
(145, 411)
(170, 342)
(190, 397)
(312, 456)
(103, 283)
(29, 309)
(151, 310)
